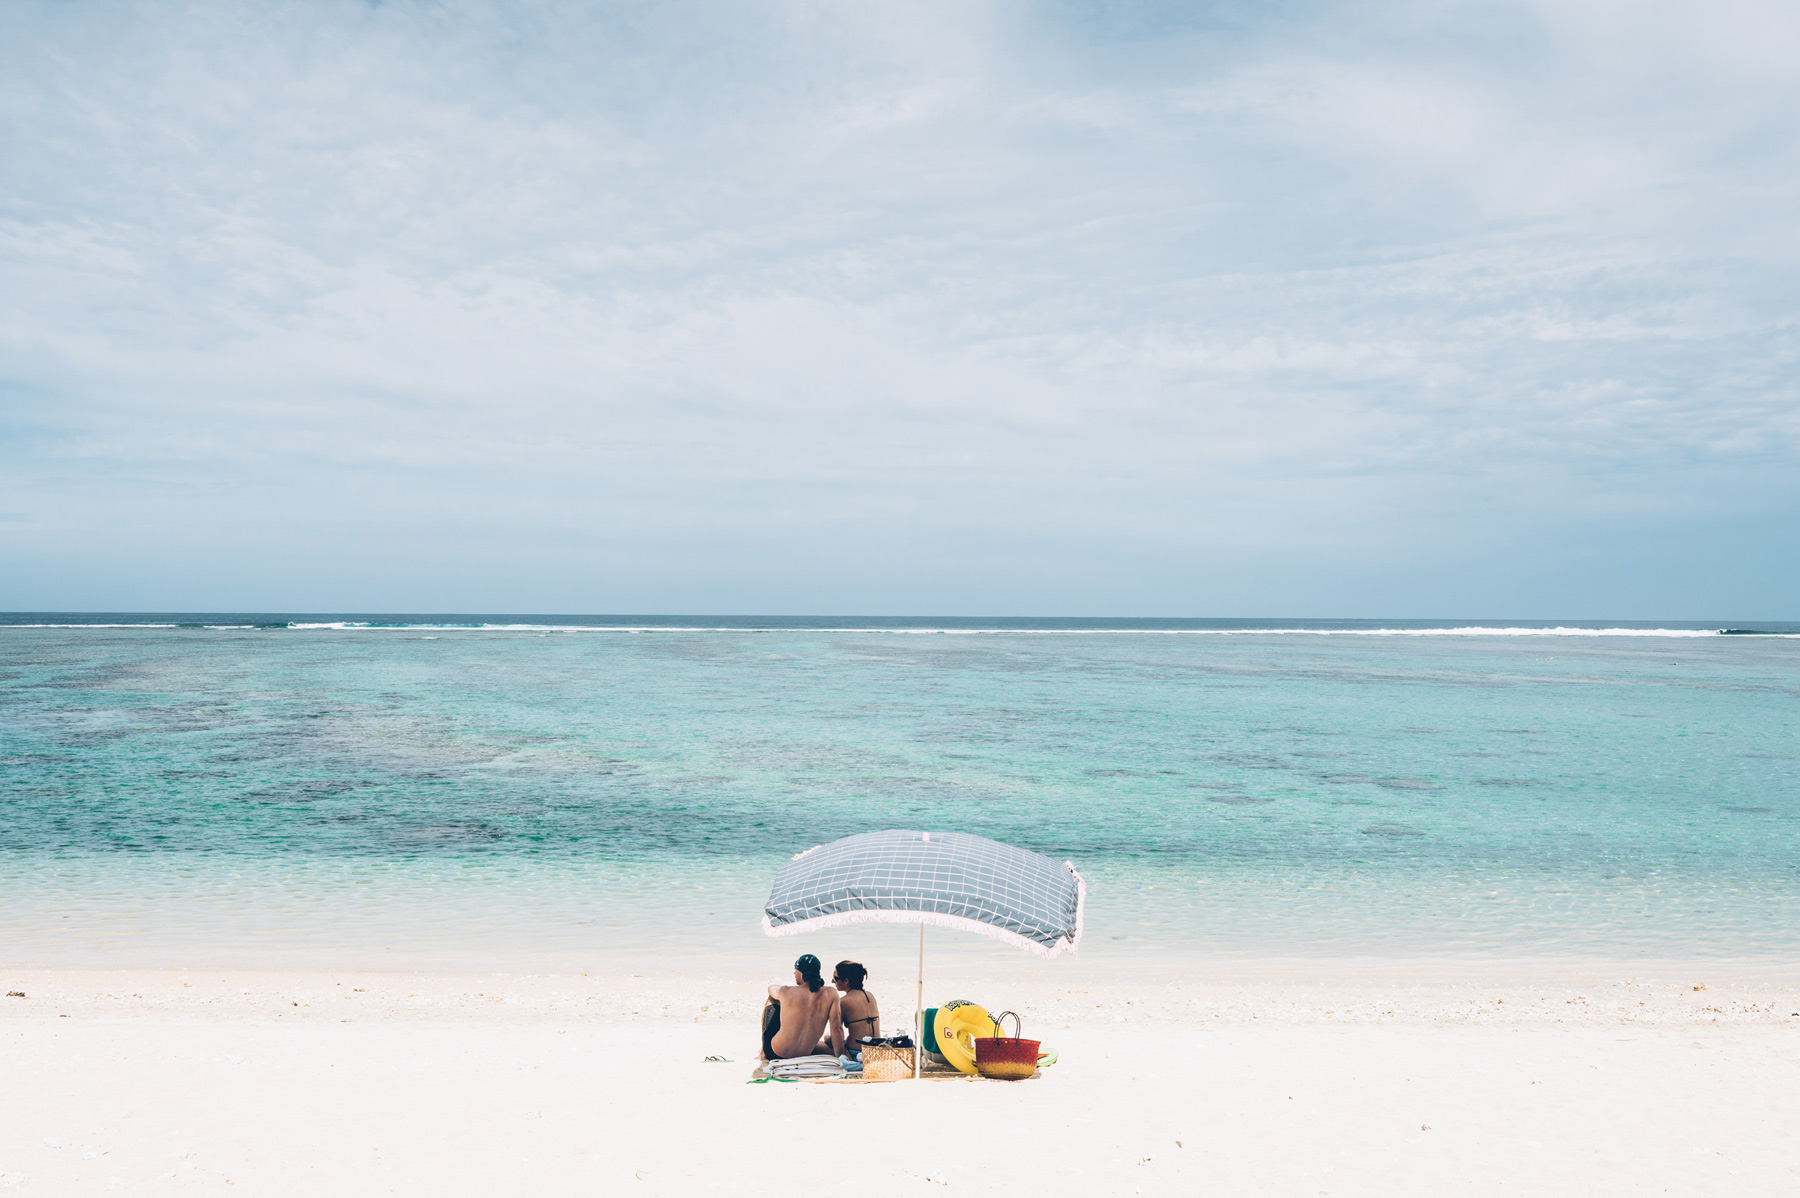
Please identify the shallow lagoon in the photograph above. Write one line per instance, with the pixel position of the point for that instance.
(187, 792)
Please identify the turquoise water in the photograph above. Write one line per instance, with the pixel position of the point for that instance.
(263, 791)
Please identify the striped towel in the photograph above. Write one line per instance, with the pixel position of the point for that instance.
(822, 1065)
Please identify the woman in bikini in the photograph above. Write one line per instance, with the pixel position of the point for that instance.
(861, 1015)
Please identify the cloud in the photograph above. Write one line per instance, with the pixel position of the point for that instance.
(941, 306)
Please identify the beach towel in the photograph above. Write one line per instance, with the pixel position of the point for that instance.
(822, 1065)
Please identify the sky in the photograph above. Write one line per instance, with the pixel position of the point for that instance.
(1253, 309)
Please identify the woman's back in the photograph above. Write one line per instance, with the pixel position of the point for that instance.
(862, 1017)
(860, 1012)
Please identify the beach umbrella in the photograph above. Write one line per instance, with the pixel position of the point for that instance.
(947, 879)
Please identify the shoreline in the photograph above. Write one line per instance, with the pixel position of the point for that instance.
(1341, 992)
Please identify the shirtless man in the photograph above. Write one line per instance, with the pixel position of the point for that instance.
(796, 1016)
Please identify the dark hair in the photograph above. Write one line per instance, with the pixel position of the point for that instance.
(852, 973)
(808, 965)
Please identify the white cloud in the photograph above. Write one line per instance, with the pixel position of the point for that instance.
(1354, 287)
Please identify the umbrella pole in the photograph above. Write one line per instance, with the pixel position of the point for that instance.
(919, 1010)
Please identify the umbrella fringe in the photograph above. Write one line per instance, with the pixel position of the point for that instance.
(841, 919)
(1080, 905)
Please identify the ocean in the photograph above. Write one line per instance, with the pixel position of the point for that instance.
(553, 790)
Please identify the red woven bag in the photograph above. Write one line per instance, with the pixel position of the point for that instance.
(1007, 1057)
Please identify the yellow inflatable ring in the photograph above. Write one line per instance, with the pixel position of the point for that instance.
(956, 1029)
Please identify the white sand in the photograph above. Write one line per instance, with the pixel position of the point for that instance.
(1279, 1078)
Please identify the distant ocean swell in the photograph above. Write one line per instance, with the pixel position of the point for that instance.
(1468, 630)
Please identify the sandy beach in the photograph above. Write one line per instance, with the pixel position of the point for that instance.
(1311, 1078)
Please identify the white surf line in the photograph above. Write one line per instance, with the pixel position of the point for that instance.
(1465, 631)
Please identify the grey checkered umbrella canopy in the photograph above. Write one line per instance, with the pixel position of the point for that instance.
(948, 879)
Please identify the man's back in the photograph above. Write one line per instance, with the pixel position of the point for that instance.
(806, 1015)
(798, 1015)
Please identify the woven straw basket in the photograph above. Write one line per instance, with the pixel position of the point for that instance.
(885, 1063)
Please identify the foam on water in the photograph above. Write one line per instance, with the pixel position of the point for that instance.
(907, 626)
(8, 624)
(1472, 630)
